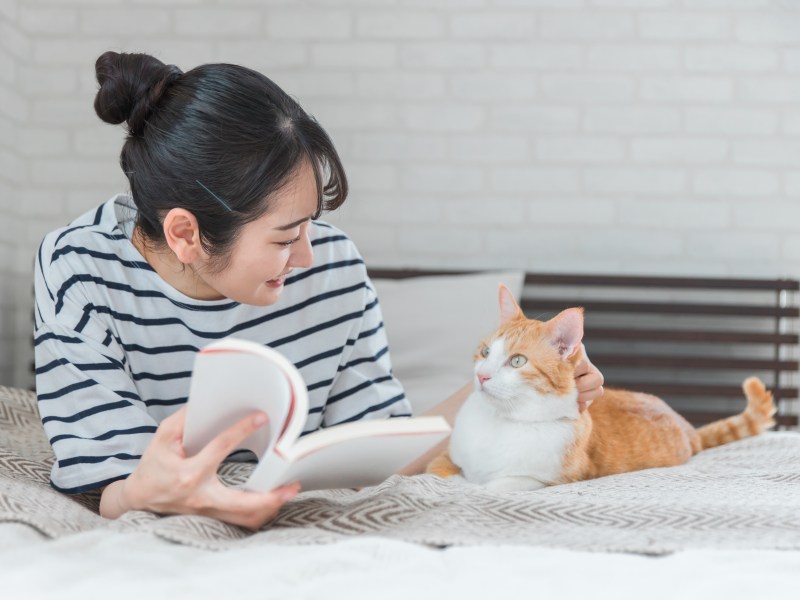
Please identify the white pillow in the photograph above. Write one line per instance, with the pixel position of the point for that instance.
(434, 324)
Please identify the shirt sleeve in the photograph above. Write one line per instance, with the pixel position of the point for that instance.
(92, 415)
(365, 387)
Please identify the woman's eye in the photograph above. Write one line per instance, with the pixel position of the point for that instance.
(485, 351)
(517, 361)
(289, 242)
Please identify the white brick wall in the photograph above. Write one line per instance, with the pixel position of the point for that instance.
(14, 49)
(647, 136)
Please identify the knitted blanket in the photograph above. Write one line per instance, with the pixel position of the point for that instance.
(745, 495)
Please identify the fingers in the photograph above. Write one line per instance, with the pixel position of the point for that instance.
(591, 395)
(173, 424)
(252, 509)
(585, 399)
(226, 442)
(237, 500)
(581, 368)
(590, 379)
(588, 382)
(170, 432)
(166, 481)
(583, 365)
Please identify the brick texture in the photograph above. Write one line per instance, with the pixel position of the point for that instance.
(632, 136)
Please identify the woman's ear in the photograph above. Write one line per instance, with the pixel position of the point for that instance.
(182, 235)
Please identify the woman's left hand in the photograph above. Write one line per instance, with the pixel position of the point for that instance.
(588, 380)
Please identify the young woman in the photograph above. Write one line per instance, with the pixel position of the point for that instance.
(219, 236)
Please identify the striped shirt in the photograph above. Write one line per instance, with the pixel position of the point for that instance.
(115, 344)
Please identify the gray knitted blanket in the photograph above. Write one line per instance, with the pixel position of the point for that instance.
(744, 495)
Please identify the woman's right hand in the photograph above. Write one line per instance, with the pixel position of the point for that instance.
(168, 481)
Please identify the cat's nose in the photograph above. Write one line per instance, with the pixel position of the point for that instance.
(482, 377)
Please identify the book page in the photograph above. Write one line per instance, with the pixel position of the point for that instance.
(228, 384)
(360, 454)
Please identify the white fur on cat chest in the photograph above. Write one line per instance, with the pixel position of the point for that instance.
(504, 454)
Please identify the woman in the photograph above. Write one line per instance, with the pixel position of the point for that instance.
(227, 176)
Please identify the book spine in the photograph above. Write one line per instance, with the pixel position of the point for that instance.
(268, 474)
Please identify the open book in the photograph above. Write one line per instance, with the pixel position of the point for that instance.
(234, 378)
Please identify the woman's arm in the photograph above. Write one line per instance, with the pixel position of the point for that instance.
(447, 409)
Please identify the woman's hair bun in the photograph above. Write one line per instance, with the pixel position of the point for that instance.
(131, 85)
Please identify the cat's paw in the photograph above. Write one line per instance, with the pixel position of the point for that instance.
(514, 484)
(443, 466)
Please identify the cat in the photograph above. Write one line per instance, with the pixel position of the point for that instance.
(521, 428)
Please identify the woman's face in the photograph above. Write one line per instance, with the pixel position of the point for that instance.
(267, 249)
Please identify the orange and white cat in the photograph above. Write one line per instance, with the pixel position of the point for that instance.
(521, 428)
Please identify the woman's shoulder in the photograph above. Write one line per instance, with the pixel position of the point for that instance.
(93, 241)
(331, 243)
(98, 227)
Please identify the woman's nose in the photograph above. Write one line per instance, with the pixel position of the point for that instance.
(302, 253)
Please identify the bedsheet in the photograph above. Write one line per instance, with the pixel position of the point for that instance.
(743, 496)
(136, 565)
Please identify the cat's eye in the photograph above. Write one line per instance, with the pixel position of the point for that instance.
(517, 361)
(485, 351)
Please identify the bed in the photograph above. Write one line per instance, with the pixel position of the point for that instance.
(726, 524)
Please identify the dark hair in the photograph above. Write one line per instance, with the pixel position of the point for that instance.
(217, 140)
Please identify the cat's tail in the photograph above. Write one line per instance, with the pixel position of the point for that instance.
(755, 419)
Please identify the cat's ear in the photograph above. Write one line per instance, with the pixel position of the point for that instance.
(509, 309)
(565, 331)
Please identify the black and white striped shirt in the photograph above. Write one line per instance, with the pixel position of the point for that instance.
(115, 343)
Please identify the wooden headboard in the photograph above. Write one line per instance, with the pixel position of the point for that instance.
(689, 340)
